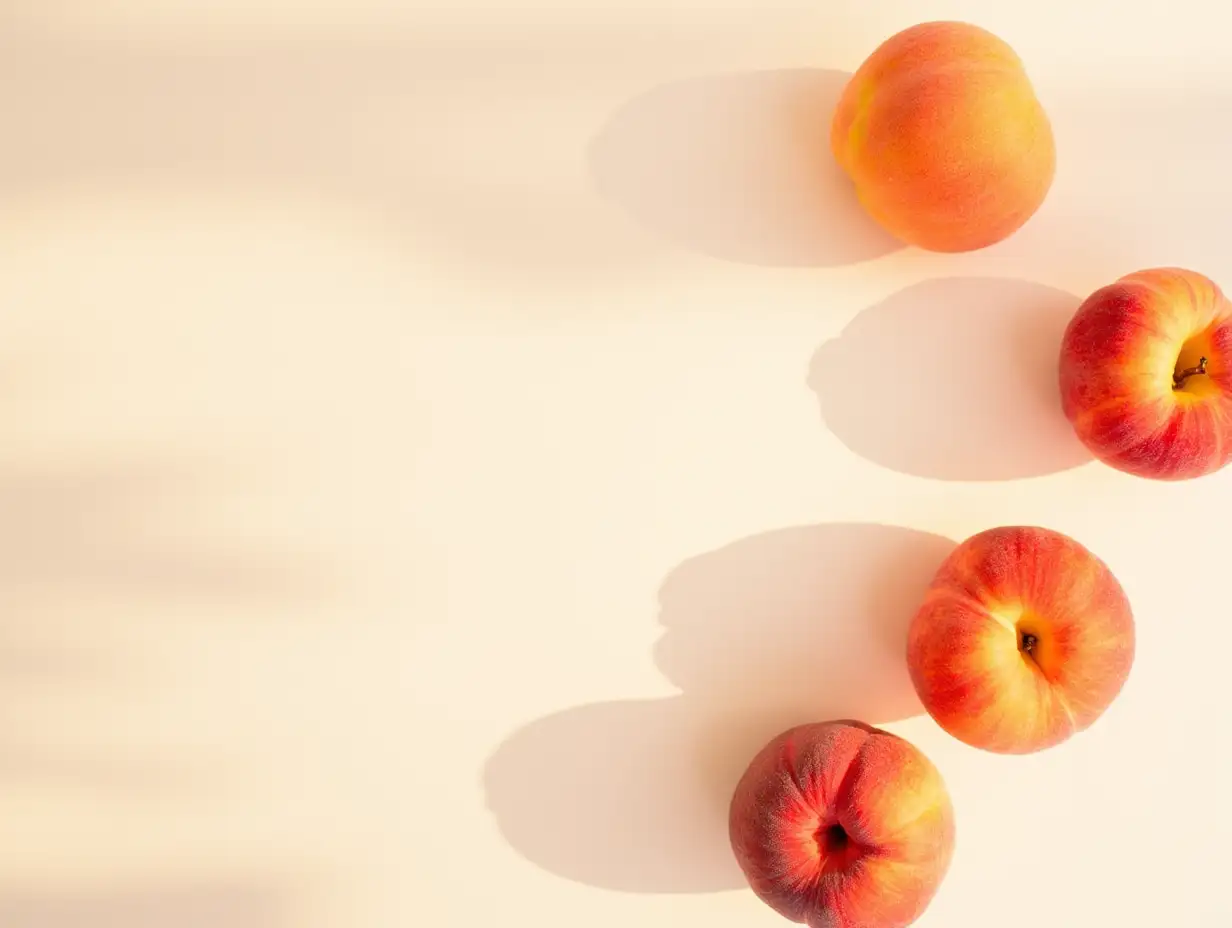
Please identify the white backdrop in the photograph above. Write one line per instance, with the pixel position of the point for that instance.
(444, 440)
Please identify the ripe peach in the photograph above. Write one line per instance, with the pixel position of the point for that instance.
(944, 138)
(841, 825)
(1146, 374)
(1024, 638)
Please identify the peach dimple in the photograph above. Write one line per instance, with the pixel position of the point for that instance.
(842, 825)
(943, 136)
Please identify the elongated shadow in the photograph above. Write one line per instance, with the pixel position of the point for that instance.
(788, 626)
(102, 525)
(79, 543)
(738, 166)
(953, 379)
(206, 905)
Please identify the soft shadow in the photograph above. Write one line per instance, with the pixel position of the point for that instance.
(410, 139)
(234, 905)
(738, 166)
(953, 379)
(81, 544)
(120, 526)
(788, 626)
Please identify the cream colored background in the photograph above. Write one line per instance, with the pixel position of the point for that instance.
(443, 440)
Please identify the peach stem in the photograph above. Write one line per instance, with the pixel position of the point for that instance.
(1029, 642)
(1178, 380)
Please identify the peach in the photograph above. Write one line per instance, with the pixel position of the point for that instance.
(1146, 374)
(1023, 639)
(841, 825)
(942, 134)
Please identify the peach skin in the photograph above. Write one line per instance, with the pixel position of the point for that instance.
(942, 134)
(1146, 374)
(1024, 638)
(841, 825)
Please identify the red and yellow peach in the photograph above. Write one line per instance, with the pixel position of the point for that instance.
(1024, 638)
(841, 825)
(1146, 374)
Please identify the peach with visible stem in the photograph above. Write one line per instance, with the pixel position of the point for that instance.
(1024, 638)
(1146, 374)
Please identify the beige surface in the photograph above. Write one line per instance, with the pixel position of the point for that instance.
(442, 441)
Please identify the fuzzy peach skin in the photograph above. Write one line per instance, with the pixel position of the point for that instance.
(1023, 639)
(841, 825)
(944, 138)
(1146, 374)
